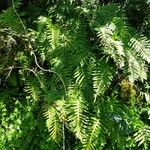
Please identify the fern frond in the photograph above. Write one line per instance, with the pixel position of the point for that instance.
(33, 90)
(142, 47)
(103, 74)
(142, 137)
(77, 113)
(104, 14)
(125, 48)
(81, 74)
(92, 138)
(53, 124)
(52, 32)
(112, 47)
(136, 67)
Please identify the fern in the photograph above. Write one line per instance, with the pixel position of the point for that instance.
(77, 113)
(136, 68)
(88, 69)
(134, 52)
(53, 124)
(92, 140)
(34, 92)
(88, 76)
(142, 137)
(81, 68)
(141, 46)
(9, 20)
(102, 76)
(113, 48)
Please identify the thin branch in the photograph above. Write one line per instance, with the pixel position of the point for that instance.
(12, 67)
(51, 71)
(13, 6)
(8, 75)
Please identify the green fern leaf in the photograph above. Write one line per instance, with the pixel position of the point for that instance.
(136, 67)
(142, 47)
(93, 131)
(142, 137)
(77, 113)
(112, 47)
(53, 124)
(103, 74)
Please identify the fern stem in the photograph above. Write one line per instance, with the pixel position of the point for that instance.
(63, 132)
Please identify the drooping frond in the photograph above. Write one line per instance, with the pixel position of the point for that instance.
(54, 123)
(81, 74)
(104, 14)
(141, 46)
(93, 139)
(103, 74)
(142, 137)
(112, 47)
(136, 67)
(77, 113)
(50, 35)
(33, 90)
(126, 49)
(138, 54)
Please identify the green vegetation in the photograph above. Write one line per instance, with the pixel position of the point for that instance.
(75, 75)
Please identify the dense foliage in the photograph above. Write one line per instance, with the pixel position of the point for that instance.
(74, 74)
